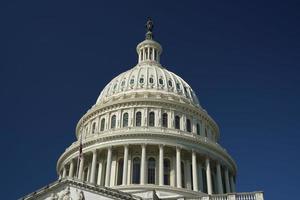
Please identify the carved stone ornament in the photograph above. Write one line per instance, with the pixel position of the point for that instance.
(65, 194)
(80, 196)
(53, 196)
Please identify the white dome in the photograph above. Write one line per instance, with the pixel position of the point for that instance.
(148, 78)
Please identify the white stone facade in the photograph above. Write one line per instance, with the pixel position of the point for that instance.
(147, 132)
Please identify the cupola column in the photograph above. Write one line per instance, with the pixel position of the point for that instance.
(161, 165)
(125, 165)
(143, 164)
(93, 170)
(232, 183)
(194, 169)
(200, 182)
(178, 167)
(71, 170)
(219, 179)
(81, 164)
(64, 172)
(227, 185)
(208, 176)
(108, 167)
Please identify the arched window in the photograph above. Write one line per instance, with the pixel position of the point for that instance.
(138, 119)
(151, 119)
(113, 122)
(161, 81)
(141, 80)
(206, 132)
(188, 125)
(167, 169)
(136, 170)
(151, 80)
(182, 175)
(120, 172)
(170, 83)
(165, 120)
(125, 119)
(151, 171)
(102, 124)
(94, 127)
(177, 122)
(198, 129)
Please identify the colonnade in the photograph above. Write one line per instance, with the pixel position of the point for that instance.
(193, 171)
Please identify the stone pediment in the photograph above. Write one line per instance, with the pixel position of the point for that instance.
(70, 189)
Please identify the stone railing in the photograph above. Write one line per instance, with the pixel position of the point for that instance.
(235, 196)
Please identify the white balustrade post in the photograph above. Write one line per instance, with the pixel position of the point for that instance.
(93, 170)
(208, 176)
(219, 179)
(143, 164)
(125, 165)
(161, 165)
(178, 167)
(194, 169)
(108, 166)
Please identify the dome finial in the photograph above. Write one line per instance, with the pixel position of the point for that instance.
(149, 26)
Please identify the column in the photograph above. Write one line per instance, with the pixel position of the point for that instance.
(173, 172)
(178, 167)
(188, 175)
(144, 54)
(108, 166)
(194, 169)
(201, 184)
(81, 164)
(143, 165)
(232, 184)
(208, 176)
(99, 178)
(161, 165)
(125, 165)
(93, 170)
(219, 179)
(227, 185)
(140, 56)
(64, 172)
(71, 170)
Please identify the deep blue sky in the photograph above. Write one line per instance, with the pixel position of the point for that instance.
(242, 59)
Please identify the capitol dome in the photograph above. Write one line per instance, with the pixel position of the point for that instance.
(148, 132)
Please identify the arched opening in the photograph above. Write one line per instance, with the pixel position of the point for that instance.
(120, 172)
(85, 174)
(177, 122)
(151, 119)
(198, 129)
(165, 120)
(136, 170)
(113, 122)
(167, 170)
(94, 127)
(151, 171)
(138, 119)
(188, 125)
(102, 124)
(182, 175)
(125, 119)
